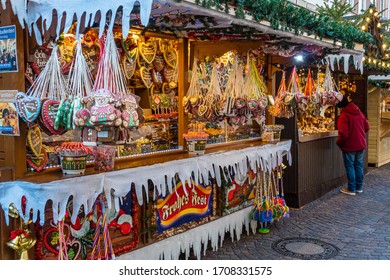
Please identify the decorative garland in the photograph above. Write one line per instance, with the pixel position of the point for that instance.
(285, 16)
(379, 84)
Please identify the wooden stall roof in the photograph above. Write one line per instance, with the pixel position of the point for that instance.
(183, 18)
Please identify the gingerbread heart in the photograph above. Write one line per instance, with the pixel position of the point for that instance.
(170, 76)
(159, 63)
(163, 44)
(91, 52)
(166, 89)
(171, 57)
(40, 58)
(146, 77)
(129, 66)
(155, 90)
(34, 140)
(157, 78)
(90, 38)
(202, 110)
(74, 249)
(66, 46)
(28, 107)
(37, 163)
(129, 45)
(148, 51)
(51, 242)
(49, 113)
(30, 74)
(19, 96)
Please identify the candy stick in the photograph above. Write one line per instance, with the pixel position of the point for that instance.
(96, 240)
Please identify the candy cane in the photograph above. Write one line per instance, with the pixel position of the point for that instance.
(63, 250)
(96, 241)
(107, 244)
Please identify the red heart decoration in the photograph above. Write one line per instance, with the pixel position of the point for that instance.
(41, 57)
(50, 241)
(49, 114)
(37, 163)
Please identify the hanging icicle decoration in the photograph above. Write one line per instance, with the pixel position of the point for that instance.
(81, 11)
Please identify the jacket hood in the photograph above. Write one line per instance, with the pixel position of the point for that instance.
(352, 109)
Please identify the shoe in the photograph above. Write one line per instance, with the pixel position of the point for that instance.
(347, 191)
(359, 191)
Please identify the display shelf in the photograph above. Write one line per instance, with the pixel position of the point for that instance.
(316, 136)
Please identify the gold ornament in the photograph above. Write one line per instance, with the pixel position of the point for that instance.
(21, 241)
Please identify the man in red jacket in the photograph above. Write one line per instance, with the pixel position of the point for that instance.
(352, 126)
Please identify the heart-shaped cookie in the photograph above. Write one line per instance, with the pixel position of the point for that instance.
(41, 57)
(129, 45)
(34, 140)
(19, 96)
(148, 51)
(74, 249)
(202, 110)
(166, 89)
(30, 74)
(163, 44)
(129, 66)
(66, 46)
(146, 77)
(159, 63)
(91, 52)
(157, 78)
(155, 90)
(28, 107)
(170, 76)
(51, 242)
(38, 163)
(49, 113)
(171, 57)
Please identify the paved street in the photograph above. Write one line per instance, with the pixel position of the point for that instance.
(358, 226)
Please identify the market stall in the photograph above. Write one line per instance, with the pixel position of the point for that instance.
(318, 165)
(378, 116)
(124, 143)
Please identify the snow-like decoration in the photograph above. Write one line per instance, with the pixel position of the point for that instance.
(336, 58)
(171, 248)
(85, 189)
(69, 10)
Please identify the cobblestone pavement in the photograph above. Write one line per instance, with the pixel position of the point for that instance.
(359, 226)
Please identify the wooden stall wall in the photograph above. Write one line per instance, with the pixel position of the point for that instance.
(379, 134)
(12, 149)
(373, 114)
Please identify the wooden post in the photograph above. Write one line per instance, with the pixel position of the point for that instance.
(13, 149)
(183, 87)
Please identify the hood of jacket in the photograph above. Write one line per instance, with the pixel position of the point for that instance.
(352, 109)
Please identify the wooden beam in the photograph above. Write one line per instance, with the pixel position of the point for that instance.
(183, 87)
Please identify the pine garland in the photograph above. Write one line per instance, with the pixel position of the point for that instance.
(285, 16)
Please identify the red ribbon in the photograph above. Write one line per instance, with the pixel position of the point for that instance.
(18, 232)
